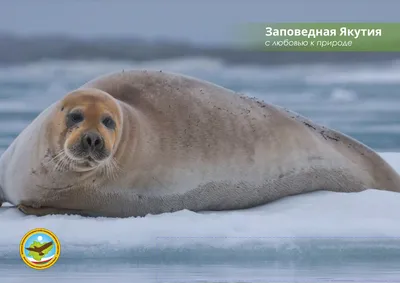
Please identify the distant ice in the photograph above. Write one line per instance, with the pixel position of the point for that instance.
(343, 95)
(322, 224)
(372, 74)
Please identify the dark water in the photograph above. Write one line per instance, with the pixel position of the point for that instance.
(89, 271)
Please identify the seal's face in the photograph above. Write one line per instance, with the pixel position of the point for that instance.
(92, 122)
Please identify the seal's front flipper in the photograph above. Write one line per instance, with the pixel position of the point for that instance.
(42, 211)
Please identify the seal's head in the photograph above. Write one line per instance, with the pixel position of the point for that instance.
(91, 124)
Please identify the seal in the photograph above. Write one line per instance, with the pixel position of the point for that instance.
(146, 142)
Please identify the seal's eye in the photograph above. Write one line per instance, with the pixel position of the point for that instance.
(108, 122)
(74, 118)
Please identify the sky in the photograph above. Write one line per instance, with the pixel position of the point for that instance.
(198, 21)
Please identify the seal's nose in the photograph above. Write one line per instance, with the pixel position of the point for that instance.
(92, 141)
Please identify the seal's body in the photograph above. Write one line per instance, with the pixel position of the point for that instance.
(141, 142)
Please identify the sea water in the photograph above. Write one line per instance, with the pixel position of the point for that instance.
(318, 237)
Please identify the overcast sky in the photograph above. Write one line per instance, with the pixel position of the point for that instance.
(202, 21)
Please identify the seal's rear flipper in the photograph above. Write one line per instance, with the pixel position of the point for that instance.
(42, 211)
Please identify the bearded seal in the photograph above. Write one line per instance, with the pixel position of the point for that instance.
(146, 142)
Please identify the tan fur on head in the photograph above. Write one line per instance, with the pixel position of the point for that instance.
(92, 107)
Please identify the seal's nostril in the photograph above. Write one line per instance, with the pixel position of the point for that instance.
(92, 141)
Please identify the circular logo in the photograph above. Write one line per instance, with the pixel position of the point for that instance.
(40, 248)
